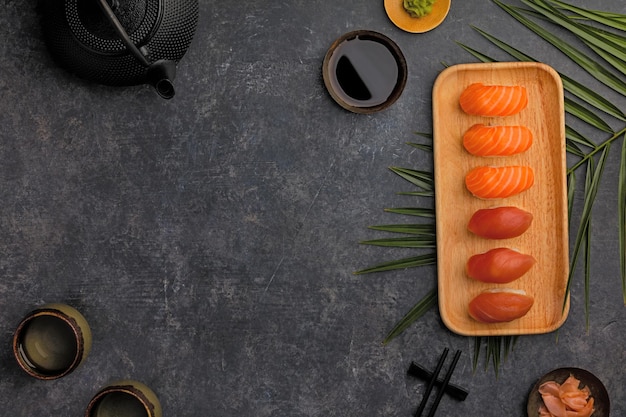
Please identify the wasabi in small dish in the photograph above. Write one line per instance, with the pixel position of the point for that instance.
(417, 16)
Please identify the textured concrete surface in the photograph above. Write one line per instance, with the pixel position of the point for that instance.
(211, 240)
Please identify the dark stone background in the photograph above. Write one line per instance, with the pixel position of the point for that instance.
(211, 240)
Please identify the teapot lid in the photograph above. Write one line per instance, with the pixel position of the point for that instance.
(91, 28)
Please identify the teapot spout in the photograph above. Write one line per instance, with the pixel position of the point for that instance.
(160, 75)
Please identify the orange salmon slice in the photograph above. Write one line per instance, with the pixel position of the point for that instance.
(493, 100)
(499, 182)
(482, 140)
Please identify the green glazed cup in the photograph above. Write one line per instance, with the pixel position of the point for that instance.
(125, 398)
(51, 341)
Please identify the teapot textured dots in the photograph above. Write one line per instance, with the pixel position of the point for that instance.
(116, 42)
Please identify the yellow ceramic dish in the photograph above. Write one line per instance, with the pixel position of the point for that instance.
(125, 398)
(52, 341)
(402, 19)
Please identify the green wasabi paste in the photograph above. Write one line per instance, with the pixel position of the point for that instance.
(418, 8)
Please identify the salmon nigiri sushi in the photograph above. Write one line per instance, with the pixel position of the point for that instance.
(500, 305)
(482, 140)
(479, 99)
(499, 222)
(499, 182)
(499, 265)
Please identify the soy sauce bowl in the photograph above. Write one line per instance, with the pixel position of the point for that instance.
(587, 379)
(364, 71)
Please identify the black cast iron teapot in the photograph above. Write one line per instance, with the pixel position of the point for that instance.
(120, 42)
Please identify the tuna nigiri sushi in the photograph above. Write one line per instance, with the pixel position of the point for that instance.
(499, 265)
(500, 305)
(482, 140)
(499, 182)
(493, 100)
(500, 222)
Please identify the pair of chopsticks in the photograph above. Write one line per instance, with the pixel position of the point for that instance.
(455, 391)
(432, 381)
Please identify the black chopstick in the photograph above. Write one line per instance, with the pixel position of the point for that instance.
(446, 381)
(431, 383)
(455, 391)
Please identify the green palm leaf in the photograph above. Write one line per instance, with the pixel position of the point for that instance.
(586, 236)
(427, 148)
(478, 55)
(608, 56)
(413, 211)
(590, 37)
(591, 189)
(591, 97)
(573, 149)
(571, 191)
(574, 136)
(586, 115)
(403, 242)
(411, 262)
(421, 179)
(614, 20)
(622, 217)
(587, 272)
(496, 348)
(609, 36)
(418, 310)
(587, 63)
(411, 229)
(607, 45)
(596, 150)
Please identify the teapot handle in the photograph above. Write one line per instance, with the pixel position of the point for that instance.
(160, 73)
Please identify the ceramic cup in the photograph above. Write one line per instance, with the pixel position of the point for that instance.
(51, 341)
(125, 398)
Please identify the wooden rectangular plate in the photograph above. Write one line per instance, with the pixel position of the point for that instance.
(546, 239)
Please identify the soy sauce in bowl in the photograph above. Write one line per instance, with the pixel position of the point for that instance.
(364, 71)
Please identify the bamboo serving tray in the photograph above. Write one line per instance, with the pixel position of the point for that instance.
(546, 239)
